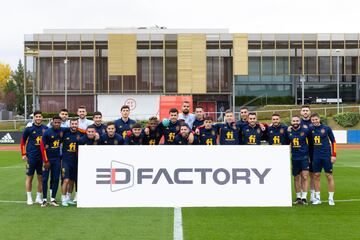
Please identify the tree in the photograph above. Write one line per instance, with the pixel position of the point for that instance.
(14, 89)
(5, 73)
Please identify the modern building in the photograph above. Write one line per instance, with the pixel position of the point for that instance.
(209, 64)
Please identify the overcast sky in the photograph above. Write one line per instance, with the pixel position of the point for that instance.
(19, 17)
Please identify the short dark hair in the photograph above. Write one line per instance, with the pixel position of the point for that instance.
(81, 107)
(305, 106)
(153, 118)
(110, 123)
(124, 107)
(183, 124)
(37, 112)
(97, 113)
(173, 110)
(296, 116)
(74, 119)
(208, 118)
(228, 111)
(244, 108)
(57, 117)
(64, 110)
(198, 106)
(252, 113)
(91, 126)
(314, 115)
(136, 125)
(186, 101)
(275, 115)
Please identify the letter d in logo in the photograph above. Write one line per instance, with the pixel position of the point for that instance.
(122, 176)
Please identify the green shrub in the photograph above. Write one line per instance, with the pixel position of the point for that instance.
(348, 119)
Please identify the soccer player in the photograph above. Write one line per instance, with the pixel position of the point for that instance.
(70, 140)
(83, 121)
(244, 113)
(64, 114)
(277, 132)
(185, 137)
(91, 137)
(134, 137)
(185, 114)
(99, 126)
(50, 148)
(324, 156)
(31, 153)
(299, 140)
(207, 134)
(199, 117)
(124, 123)
(252, 133)
(152, 133)
(170, 128)
(111, 137)
(305, 113)
(228, 131)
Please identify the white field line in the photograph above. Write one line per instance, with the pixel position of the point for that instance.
(178, 230)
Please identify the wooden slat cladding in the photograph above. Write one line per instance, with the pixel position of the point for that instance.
(122, 54)
(191, 63)
(240, 58)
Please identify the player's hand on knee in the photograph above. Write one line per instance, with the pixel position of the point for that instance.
(24, 158)
(333, 160)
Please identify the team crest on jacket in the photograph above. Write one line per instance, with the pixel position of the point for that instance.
(42, 130)
(281, 131)
(258, 131)
(323, 131)
(78, 137)
(302, 134)
(271, 131)
(213, 132)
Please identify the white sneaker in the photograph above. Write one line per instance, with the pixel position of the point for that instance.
(331, 202)
(316, 201)
(29, 201)
(64, 203)
(38, 200)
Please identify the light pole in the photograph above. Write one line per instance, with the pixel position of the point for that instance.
(338, 79)
(65, 62)
(302, 80)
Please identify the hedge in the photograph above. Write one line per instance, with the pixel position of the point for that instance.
(348, 119)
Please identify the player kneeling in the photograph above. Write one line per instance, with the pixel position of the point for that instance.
(185, 137)
(134, 137)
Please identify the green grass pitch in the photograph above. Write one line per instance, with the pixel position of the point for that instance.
(19, 221)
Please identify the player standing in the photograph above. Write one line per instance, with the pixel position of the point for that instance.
(31, 153)
(277, 132)
(324, 156)
(83, 121)
(124, 123)
(50, 148)
(170, 128)
(111, 137)
(99, 126)
(185, 114)
(299, 140)
(199, 117)
(252, 133)
(207, 134)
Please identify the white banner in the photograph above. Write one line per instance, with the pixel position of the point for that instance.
(184, 176)
(340, 136)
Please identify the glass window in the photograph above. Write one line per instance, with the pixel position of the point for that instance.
(59, 74)
(157, 81)
(324, 65)
(115, 84)
(254, 66)
(225, 73)
(87, 73)
(143, 74)
(282, 67)
(268, 66)
(212, 74)
(73, 82)
(129, 84)
(102, 74)
(45, 74)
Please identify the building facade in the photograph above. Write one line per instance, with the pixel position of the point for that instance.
(211, 65)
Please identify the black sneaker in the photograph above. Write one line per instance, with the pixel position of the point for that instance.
(54, 203)
(298, 201)
(44, 204)
(304, 202)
